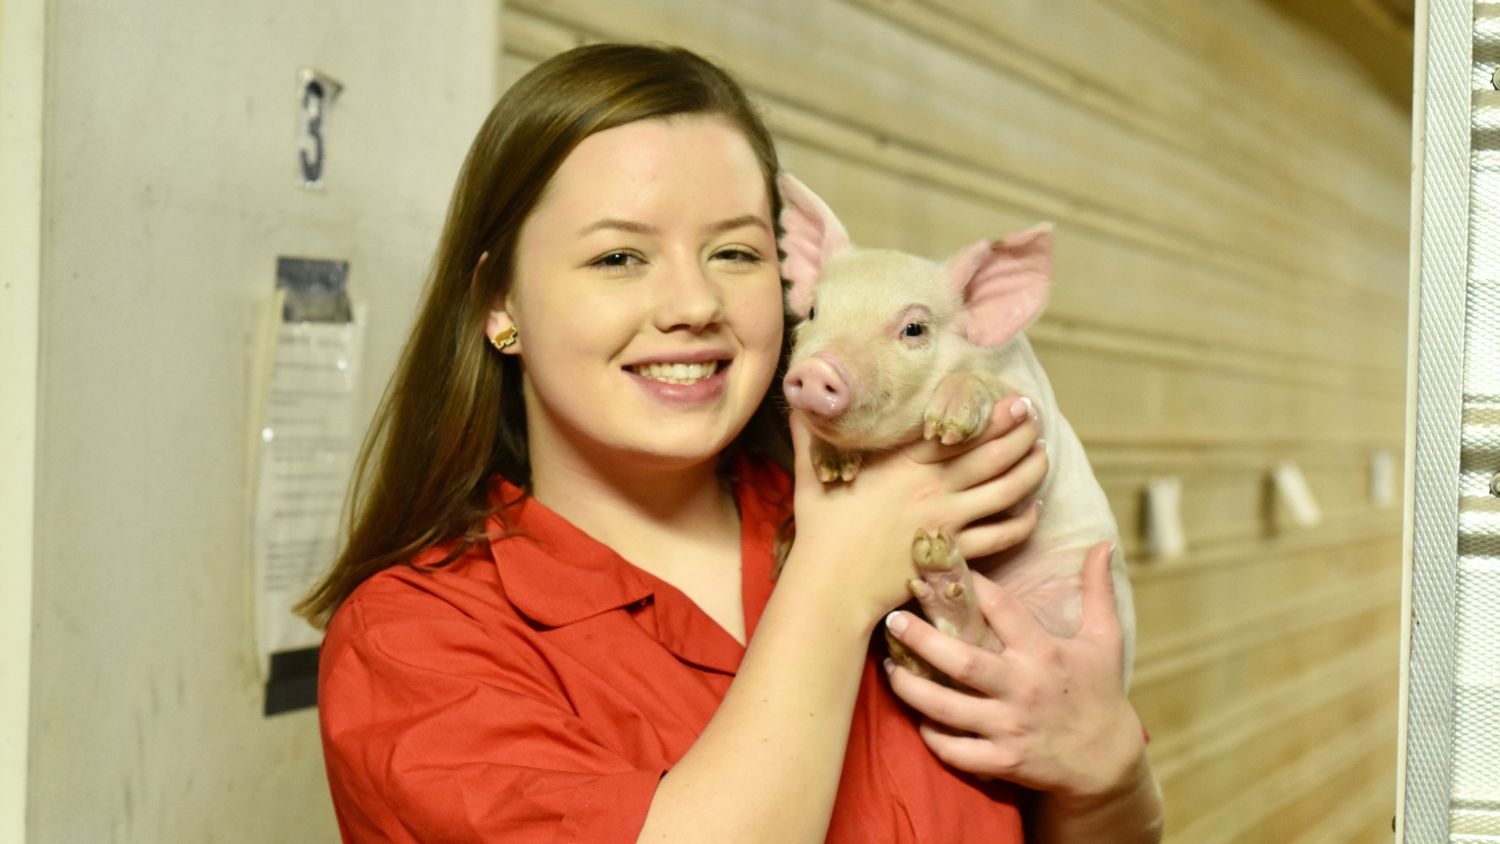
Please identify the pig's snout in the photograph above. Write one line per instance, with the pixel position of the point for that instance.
(817, 386)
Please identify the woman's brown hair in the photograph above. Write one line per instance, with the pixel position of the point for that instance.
(453, 413)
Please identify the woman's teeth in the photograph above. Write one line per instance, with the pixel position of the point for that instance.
(677, 373)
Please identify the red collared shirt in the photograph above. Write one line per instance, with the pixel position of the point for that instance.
(538, 687)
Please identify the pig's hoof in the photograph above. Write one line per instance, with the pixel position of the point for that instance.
(958, 411)
(933, 552)
(837, 467)
(910, 661)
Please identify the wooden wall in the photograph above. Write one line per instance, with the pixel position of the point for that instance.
(1231, 196)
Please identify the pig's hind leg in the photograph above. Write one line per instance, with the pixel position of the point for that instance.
(946, 594)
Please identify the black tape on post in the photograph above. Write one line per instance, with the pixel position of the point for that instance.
(294, 681)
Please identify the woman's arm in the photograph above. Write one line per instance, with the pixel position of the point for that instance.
(767, 766)
(1050, 713)
(1132, 814)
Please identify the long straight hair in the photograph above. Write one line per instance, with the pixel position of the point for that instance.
(453, 413)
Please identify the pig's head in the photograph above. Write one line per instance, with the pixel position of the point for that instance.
(879, 328)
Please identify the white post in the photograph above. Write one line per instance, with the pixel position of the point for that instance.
(21, 99)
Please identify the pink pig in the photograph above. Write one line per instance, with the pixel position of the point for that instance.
(892, 347)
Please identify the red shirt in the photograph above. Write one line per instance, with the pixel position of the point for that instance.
(538, 687)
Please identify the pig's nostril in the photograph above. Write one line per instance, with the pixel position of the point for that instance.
(816, 389)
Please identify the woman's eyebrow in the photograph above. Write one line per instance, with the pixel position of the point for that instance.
(634, 227)
(738, 222)
(619, 225)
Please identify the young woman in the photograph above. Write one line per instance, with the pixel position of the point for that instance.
(554, 619)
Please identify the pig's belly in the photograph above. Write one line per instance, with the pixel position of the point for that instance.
(1047, 582)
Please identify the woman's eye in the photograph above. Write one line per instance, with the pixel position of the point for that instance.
(914, 329)
(738, 256)
(616, 260)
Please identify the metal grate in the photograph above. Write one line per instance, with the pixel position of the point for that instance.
(1444, 165)
(1452, 777)
(1475, 812)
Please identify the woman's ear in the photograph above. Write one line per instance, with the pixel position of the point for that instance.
(502, 332)
(499, 328)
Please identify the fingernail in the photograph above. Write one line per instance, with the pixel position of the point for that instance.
(1039, 506)
(1042, 444)
(890, 667)
(1021, 408)
(896, 622)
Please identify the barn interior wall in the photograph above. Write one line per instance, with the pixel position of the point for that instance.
(1230, 190)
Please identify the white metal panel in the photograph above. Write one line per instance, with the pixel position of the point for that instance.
(1452, 730)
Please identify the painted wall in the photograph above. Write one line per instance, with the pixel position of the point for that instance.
(169, 187)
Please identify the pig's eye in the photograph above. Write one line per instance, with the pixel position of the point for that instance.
(914, 329)
(811, 312)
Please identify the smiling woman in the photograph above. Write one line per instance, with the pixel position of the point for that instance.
(454, 414)
(554, 617)
(682, 330)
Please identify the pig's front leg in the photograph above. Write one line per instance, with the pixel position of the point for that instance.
(960, 407)
(946, 594)
(834, 464)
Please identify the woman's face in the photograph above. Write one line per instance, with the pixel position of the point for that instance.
(647, 295)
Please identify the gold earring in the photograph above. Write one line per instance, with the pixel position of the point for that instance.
(505, 339)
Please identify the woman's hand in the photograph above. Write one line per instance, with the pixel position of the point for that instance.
(861, 532)
(1047, 712)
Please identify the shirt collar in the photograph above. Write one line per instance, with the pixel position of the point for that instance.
(557, 574)
(553, 572)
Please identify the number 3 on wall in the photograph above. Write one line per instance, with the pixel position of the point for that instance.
(315, 93)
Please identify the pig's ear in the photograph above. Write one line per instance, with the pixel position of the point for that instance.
(1004, 284)
(812, 236)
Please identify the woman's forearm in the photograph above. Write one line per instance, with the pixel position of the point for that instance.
(1131, 815)
(767, 766)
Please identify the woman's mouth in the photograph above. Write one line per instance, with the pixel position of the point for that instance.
(677, 373)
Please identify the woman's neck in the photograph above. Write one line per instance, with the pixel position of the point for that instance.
(676, 521)
(633, 505)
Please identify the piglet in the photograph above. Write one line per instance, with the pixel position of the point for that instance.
(891, 347)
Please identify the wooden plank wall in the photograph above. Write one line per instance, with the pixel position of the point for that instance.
(1231, 198)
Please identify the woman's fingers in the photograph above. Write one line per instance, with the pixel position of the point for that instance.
(989, 458)
(1048, 712)
(952, 708)
(1011, 620)
(994, 535)
(977, 755)
(1100, 613)
(977, 668)
(1003, 492)
(802, 469)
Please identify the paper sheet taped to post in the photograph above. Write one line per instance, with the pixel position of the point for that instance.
(309, 349)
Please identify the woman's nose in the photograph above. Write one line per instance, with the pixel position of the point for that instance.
(688, 298)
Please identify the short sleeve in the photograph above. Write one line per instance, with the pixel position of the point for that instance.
(440, 728)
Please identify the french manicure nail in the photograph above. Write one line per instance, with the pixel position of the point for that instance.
(890, 667)
(1020, 408)
(896, 622)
